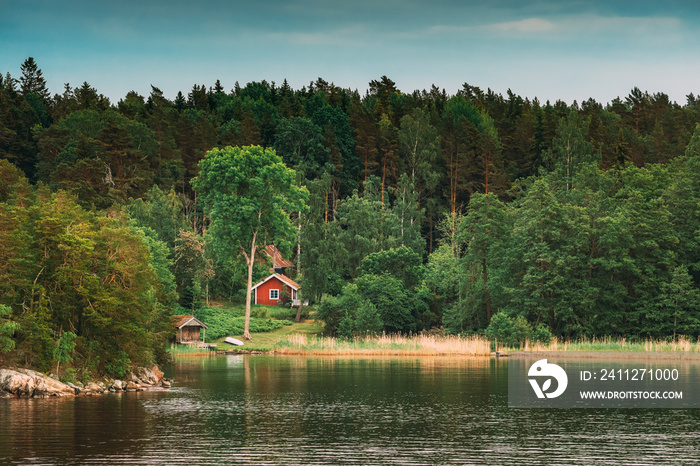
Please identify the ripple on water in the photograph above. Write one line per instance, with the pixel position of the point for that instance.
(263, 410)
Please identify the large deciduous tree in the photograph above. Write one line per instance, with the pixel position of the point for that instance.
(248, 194)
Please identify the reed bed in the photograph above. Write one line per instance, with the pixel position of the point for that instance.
(385, 345)
(680, 344)
(417, 345)
(189, 350)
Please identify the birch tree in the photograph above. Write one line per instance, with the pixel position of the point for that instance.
(249, 194)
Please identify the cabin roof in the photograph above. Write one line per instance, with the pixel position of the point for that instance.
(188, 321)
(284, 279)
(278, 262)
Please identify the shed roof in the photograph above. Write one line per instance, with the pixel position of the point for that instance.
(188, 321)
(284, 279)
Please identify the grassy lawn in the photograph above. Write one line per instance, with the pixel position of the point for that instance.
(267, 340)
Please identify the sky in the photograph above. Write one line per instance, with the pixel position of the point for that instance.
(552, 50)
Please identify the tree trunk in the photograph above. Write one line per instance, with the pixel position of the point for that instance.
(251, 260)
(487, 295)
(488, 161)
(299, 248)
(383, 174)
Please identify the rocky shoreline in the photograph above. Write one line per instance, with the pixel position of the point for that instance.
(25, 383)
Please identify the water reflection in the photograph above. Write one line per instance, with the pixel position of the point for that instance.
(294, 410)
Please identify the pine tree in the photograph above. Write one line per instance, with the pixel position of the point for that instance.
(32, 80)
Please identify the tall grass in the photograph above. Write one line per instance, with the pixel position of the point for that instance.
(384, 345)
(189, 350)
(463, 345)
(680, 344)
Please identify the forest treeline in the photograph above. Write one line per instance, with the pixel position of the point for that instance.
(581, 219)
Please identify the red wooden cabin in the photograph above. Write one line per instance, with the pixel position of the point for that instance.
(275, 289)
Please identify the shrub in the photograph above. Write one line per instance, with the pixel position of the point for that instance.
(542, 334)
(119, 366)
(501, 329)
(7, 329)
(223, 323)
(364, 321)
(515, 332)
(69, 377)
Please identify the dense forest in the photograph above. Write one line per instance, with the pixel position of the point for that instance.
(425, 210)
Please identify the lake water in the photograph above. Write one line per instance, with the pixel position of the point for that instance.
(295, 410)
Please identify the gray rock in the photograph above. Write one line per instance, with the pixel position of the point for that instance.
(24, 382)
(152, 376)
(118, 385)
(93, 387)
(74, 387)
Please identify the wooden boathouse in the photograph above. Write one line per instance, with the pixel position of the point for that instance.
(190, 330)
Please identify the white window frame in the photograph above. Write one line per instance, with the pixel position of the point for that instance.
(277, 292)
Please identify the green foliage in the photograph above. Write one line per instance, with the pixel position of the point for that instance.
(501, 329)
(442, 274)
(514, 332)
(392, 299)
(7, 329)
(481, 234)
(599, 236)
(365, 226)
(542, 334)
(70, 376)
(119, 365)
(278, 312)
(419, 143)
(408, 217)
(99, 157)
(163, 267)
(402, 263)
(224, 323)
(366, 320)
(249, 193)
(385, 296)
(334, 310)
(161, 212)
(82, 270)
(192, 268)
(350, 314)
(300, 143)
(322, 253)
(64, 348)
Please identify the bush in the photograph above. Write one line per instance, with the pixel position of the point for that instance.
(515, 332)
(119, 366)
(542, 334)
(223, 323)
(69, 377)
(522, 331)
(279, 313)
(7, 329)
(501, 329)
(365, 321)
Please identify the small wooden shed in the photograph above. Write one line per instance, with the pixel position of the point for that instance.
(189, 329)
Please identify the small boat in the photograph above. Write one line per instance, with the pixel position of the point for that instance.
(233, 341)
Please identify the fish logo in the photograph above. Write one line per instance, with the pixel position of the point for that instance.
(543, 369)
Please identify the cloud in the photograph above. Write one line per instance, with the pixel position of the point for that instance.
(661, 30)
(350, 36)
(526, 26)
